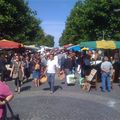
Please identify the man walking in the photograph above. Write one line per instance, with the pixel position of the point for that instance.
(51, 69)
(106, 68)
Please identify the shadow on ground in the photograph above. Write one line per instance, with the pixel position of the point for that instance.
(55, 88)
(25, 88)
(27, 81)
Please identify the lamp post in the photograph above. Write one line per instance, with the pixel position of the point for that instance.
(103, 36)
(116, 10)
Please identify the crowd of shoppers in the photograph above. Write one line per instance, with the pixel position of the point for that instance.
(26, 65)
(50, 62)
(22, 67)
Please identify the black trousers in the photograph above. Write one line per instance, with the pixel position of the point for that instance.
(17, 82)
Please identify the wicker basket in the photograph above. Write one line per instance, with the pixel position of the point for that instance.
(43, 79)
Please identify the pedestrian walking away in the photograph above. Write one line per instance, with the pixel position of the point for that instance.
(106, 68)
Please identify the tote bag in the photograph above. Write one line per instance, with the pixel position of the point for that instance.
(43, 79)
(12, 115)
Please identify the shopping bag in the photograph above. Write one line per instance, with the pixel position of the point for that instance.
(71, 79)
(12, 115)
(79, 69)
(15, 117)
(81, 81)
(61, 75)
(43, 79)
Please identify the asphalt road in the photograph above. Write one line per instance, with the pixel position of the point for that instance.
(67, 103)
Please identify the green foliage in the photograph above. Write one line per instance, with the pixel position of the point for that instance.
(89, 19)
(48, 41)
(18, 22)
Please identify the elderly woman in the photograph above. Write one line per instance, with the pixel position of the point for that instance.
(5, 96)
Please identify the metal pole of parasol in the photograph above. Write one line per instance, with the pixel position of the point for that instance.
(116, 10)
(103, 35)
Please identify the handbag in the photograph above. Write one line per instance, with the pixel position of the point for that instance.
(71, 79)
(15, 75)
(43, 79)
(12, 115)
(61, 75)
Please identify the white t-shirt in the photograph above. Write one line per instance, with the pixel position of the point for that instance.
(51, 65)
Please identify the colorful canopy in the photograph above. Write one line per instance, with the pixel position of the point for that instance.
(103, 44)
(6, 44)
(67, 45)
(85, 49)
(74, 48)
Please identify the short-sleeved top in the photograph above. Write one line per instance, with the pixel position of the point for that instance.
(106, 66)
(4, 92)
(51, 65)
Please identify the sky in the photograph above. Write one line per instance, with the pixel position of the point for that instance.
(53, 14)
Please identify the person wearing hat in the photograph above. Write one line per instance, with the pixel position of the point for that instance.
(106, 68)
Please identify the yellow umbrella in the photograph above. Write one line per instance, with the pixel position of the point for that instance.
(85, 49)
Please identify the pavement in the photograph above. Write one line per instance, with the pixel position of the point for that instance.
(67, 103)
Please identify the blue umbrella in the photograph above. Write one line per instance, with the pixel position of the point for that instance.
(74, 48)
(91, 49)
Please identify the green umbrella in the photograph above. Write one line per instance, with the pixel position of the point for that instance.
(103, 44)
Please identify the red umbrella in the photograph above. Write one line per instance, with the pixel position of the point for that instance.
(67, 45)
(6, 44)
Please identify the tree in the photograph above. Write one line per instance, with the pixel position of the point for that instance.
(48, 41)
(88, 20)
(18, 22)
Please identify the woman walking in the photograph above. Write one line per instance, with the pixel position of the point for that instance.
(17, 73)
(36, 73)
(27, 68)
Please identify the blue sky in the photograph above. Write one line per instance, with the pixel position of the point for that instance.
(53, 14)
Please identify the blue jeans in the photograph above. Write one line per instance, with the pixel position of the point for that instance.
(51, 80)
(106, 79)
